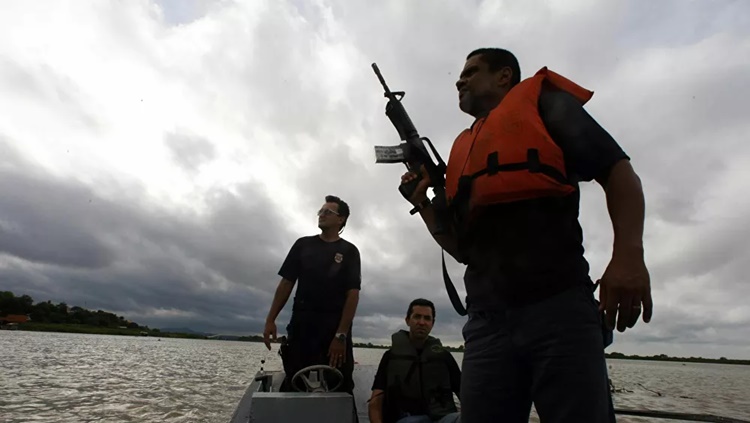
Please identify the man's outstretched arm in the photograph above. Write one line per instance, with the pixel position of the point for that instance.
(280, 297)
(626, 283)
(337, 349)
(354, 285)
(591, 153)
(350, 309)
(375, 406)
(627, 208)
(376, 402)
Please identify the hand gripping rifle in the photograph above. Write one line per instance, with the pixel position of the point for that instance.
(413, 153)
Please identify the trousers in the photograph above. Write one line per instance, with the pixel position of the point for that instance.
(549, 354)
(310, 335)
(450, 418)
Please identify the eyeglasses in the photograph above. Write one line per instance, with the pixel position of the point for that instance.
(326, 212)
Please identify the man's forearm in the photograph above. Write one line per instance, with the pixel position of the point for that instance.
(626, 205)
(279, 299)
(375, 409)
(350, 308)
(446, 240)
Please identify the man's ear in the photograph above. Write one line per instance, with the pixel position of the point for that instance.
(504, 76)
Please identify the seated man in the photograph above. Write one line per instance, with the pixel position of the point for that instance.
(416, 377)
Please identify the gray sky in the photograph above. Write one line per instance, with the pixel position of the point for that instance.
(158, 159)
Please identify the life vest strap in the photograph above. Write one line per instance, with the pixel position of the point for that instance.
(532, 164)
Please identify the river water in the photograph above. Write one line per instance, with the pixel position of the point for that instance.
(57, 377)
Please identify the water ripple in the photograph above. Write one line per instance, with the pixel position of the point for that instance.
(51, 377)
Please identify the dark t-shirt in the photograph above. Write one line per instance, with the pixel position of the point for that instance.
(323, 271)
(525, 251)
(381, 380)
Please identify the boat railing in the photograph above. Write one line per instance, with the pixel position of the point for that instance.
(688, 417)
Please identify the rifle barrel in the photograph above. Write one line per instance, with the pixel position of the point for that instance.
(382, 80)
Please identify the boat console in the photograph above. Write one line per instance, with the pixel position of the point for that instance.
(263, 403)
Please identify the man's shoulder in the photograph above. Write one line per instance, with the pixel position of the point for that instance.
(383, 364)
(350, 245)
(448, 354)
(554, 102)
(306, 239)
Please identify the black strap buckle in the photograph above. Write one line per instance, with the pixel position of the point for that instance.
(426, 202)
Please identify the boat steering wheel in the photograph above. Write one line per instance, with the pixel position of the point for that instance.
(319, 382)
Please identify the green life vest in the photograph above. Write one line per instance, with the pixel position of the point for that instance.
(421, 378)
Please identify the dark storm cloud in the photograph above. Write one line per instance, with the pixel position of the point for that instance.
(47, 222)
(139, 258)
(394, 271)
(400, 261)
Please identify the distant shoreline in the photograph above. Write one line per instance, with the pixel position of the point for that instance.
(99, 330)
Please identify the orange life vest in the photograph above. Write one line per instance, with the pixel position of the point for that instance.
(509, 155)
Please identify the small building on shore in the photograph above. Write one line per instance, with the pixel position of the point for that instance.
(11, 321)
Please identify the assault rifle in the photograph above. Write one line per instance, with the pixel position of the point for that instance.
(413, 153)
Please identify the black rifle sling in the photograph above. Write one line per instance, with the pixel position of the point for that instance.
(452, 293)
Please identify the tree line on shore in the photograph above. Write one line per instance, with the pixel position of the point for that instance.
(61, 313)
(46, 316)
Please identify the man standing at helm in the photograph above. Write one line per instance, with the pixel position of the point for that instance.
(534, 332)
(329, 273)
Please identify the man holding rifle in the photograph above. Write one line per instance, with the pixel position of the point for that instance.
(535, 333)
